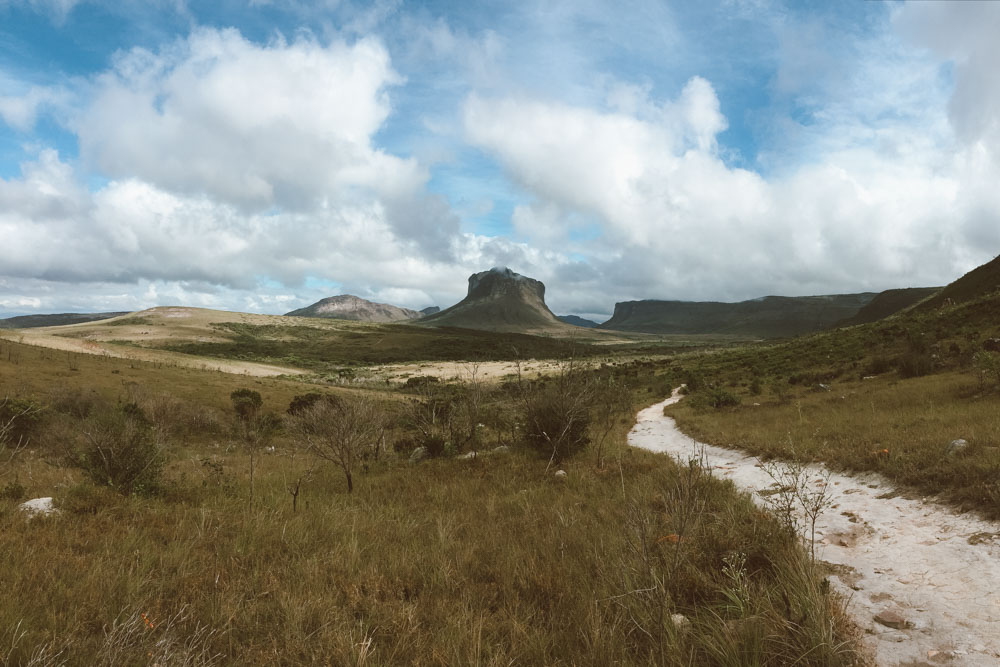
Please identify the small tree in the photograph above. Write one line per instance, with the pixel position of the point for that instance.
(254, 428)
(340, 431)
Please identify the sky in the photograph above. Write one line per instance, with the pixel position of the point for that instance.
(258, 155)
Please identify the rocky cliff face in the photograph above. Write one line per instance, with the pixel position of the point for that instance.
(500, 300)
(350, 307)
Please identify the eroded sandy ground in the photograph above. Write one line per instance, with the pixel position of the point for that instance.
(937, 571)
(84, 346)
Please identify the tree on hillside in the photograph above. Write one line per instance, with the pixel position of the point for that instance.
(254, 428)
(340, 430)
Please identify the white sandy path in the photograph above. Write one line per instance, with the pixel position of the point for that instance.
(913, 556)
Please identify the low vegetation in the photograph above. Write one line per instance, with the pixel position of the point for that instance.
(888, 397)
(490, 559)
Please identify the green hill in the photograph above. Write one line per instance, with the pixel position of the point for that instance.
(888, 303)
(978, 282)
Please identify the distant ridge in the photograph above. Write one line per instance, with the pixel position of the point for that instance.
(767, 317)
(500, 300)
(54, 320)
(430, 310)
(577, 321)
(350, 307)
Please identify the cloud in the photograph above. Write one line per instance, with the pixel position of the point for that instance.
(285, 126)
(676, 222)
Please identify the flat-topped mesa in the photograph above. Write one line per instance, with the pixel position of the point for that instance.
(501, 281)
(500, 300)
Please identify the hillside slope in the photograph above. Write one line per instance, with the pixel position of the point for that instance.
(350, 307)
(53, 320)
(889, 303)
(979, 282)
(767, 317)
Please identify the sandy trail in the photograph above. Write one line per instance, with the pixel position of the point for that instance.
(84, 346)
(938, 570)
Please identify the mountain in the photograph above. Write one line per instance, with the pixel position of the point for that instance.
(888, 303)
(500, 300)
(430, 310)
(349, 307)
(53, 320)
(767, 317)
(577, 321)
(980, 281)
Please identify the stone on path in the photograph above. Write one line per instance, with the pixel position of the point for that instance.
(892, 618)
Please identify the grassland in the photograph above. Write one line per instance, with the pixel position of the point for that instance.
(486, 561)
(887, 397)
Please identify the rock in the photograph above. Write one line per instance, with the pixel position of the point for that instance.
(38, 507)
(468, 456)
(502, 449)
(560, 473)
(418, 455)
(892, 618)
(823, 387)
(680, 621)
(955, 446)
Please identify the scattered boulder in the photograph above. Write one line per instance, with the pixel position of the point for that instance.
(38, 507)
(822, 387)
(956, 446)
(502, 449)
(560, 473)
(418, 455)
(468, 456)
(892, 618)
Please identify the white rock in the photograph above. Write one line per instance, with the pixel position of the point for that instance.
(38, 507)
(560, 473)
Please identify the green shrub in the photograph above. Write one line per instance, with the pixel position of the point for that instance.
(120, 451)
(556, 419)
(246, 402)
(914, 364)
(19, 417)
(13, 491)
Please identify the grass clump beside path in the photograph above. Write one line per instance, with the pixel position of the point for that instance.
(899, 428)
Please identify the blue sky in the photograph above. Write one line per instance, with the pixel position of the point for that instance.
(257, 155)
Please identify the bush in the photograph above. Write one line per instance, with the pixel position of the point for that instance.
(120, 451)
(715, 397)
(13, 491)
(557, 418)
(73, 402)
(19, 417)
(914, 364)
(246, 402)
